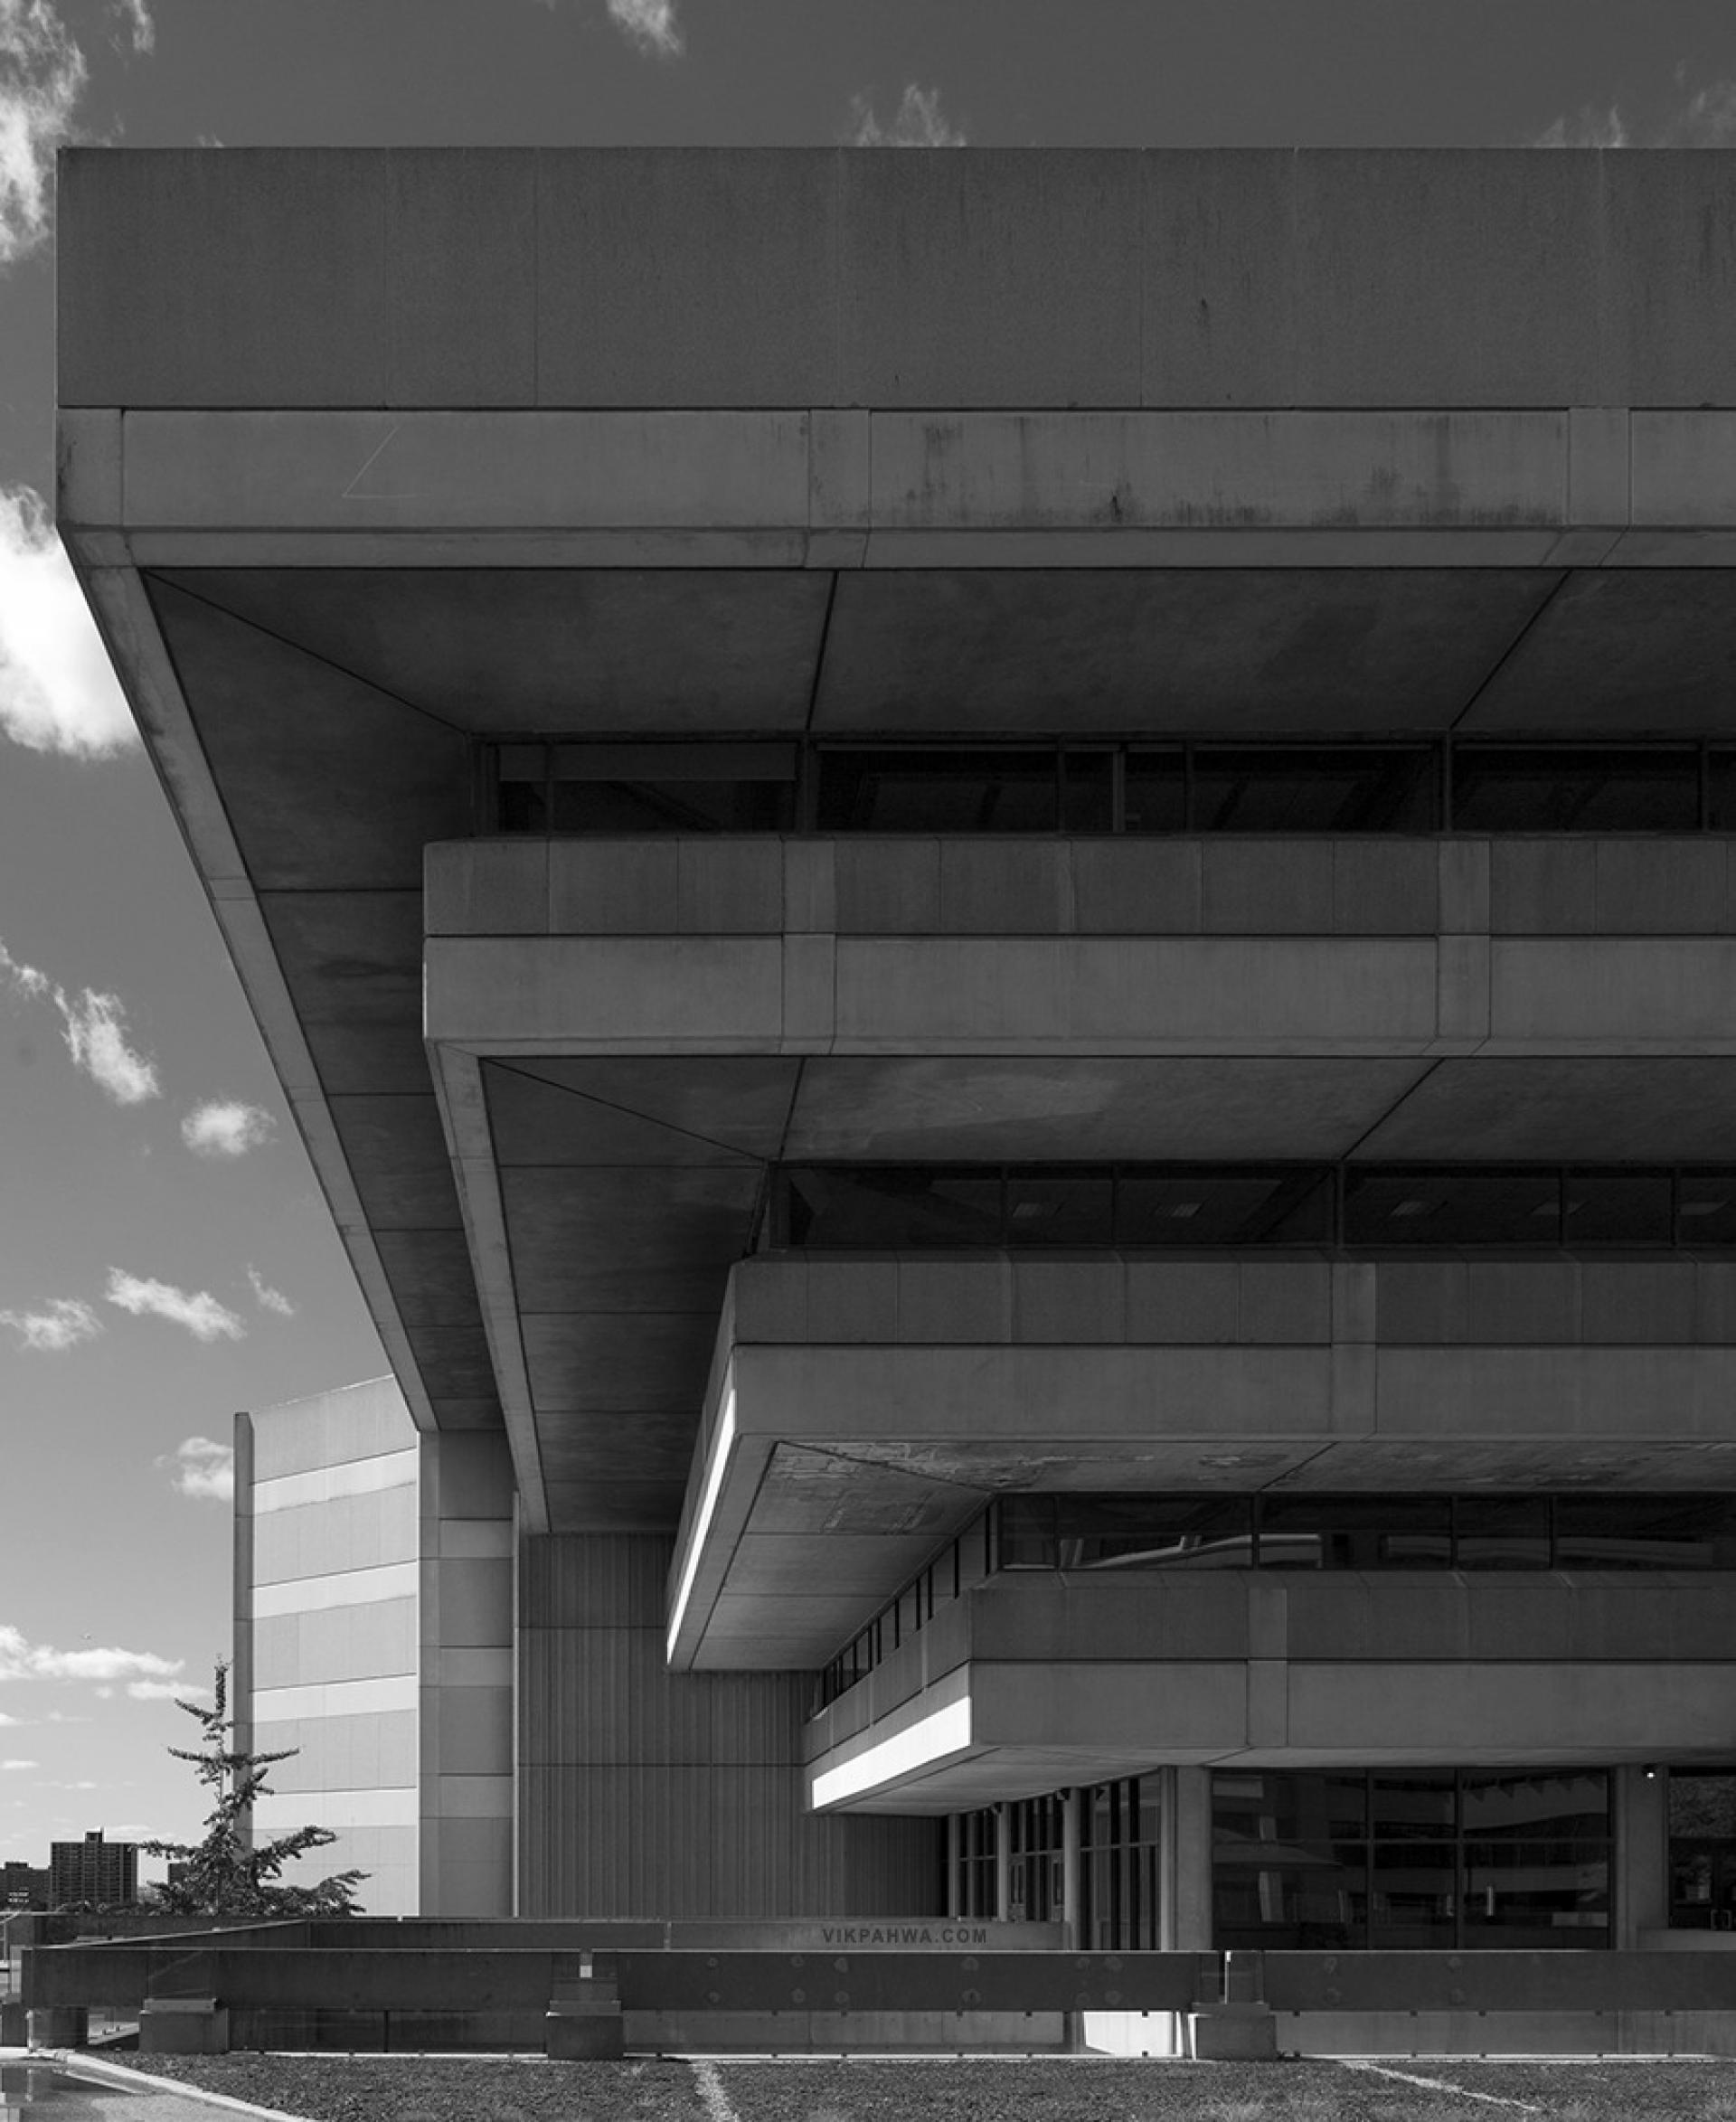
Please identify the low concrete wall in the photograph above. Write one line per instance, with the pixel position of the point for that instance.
(1131, 2003)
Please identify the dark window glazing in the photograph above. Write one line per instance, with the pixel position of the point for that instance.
(1121, 1866)
(1551, 788)
(934, 790)
(1412, 1860)
(1187, 785)
(1313, 789)
(1301, 1530)
(1150, 1207)
(1451, 1207)
(1701, 1806)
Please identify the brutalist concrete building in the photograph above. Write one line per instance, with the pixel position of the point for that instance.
(996, 889)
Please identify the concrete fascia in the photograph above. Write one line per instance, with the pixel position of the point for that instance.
(1145, 488)
(1081, 996)
(464, 1117)
(138, 650)
(991, 1730)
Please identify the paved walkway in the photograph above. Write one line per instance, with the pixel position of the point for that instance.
(46, 2087)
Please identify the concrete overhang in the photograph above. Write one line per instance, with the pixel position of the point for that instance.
(831, 1469)
(396, 452)
(1032, 1683)
(625, 1035)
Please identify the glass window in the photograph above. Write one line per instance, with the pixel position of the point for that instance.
(1440, 1859)
(646, 789)
(1025, 1532)
(1644, 1533)
(1047, 1204)
(1355, 1531)
(1314, 788)
(1414, 1808)
(1154, 1531)
(1210, 1207)
(918, 791)
(647, 807)
(522, 788)
(1702, 1849)
(1531, 1806)
(1154, 791)
(882, 1207)
(1413, 1906)
(1616, 1208)
(1502, 1532)
(1721, 793)
(1522, 1895)
(1547, 788)
(1706, 1209)
(1448, 1206)
(1088, 791)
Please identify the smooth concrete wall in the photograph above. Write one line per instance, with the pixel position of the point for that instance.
(333, 1657)
(648, 1793)
(990, 278)
(466, 1710)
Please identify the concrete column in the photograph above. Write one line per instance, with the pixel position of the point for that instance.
(1071, 1897)
(1191, 1898)
(1003, 1861)
(1640, 1884)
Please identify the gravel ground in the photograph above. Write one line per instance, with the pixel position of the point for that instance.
(495, 2089)
(413, 2088)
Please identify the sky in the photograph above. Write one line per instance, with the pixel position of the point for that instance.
(165, 1256)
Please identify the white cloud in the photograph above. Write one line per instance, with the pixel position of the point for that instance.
(65, 1322)
(42, 75)
(136, 18)
(198, 1311)
(96, 1037)
(204, 1468)
(1588, 128)
(1707, 118)
(5, 1765)
(20, 1659)
(916, 123)
(94, 1026)
(58, 692)
(165, 1691)
(224, 1126)
(267, 1298)
(650, 24)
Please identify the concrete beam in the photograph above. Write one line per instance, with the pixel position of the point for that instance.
(1582, 487)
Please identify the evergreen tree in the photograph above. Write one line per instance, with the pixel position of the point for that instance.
(229, 1873)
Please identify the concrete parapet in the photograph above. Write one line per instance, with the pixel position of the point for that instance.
(183, 2026)
(58, 2026)
(1232, 2033)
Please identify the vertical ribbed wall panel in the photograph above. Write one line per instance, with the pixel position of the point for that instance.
(651, 1794)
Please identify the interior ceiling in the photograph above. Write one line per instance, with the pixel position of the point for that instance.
(337, 708)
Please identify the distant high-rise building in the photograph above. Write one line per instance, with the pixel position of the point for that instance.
(22, 1885)
(94, 1870)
